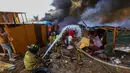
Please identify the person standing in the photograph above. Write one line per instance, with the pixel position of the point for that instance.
(5, 40)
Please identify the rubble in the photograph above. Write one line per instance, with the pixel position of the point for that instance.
(54, 55)
(125, 49)
(117, 61)
(6, 66)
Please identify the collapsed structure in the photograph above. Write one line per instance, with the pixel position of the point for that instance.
(105, 23)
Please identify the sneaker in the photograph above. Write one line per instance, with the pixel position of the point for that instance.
(12, 59)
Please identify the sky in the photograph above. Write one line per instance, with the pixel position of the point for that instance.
(30, 7)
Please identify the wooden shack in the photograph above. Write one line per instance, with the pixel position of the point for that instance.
(26, 34)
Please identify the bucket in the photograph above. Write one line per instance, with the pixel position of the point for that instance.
(40, 70)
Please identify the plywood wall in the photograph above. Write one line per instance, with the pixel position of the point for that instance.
(44, 33)
(20, 39)
(38, 34)
(23, 35)
(30, 31)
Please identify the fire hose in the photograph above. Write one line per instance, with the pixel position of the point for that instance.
(74, 27)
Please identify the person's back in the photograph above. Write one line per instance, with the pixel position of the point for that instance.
(30, 61)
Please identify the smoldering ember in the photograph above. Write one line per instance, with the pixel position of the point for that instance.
(78, 36)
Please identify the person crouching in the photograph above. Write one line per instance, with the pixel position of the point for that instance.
(31, 58)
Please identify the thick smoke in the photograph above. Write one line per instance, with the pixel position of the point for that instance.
(62, 4)
(68, 21)
(61, 11)
(122, 24)
(58, 14)
(103, 9)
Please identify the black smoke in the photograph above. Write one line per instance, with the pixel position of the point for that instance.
(62, 4)
(58, 14)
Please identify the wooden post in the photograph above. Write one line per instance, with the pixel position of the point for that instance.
(114, 37)
(18, 18)
(26, 18)
(7, 17)
(6, 27)
(3, 15)
(15, 17)
(22, 18)
(26, 33)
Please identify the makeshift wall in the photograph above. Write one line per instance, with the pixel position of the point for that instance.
(44, 33)
(109, 37)
(123, 37)
(30, 31)
(23, 35)
(39, 34)
(10, 17)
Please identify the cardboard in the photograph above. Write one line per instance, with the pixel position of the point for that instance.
(84, 42)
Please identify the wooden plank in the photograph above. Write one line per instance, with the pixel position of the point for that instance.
(38, 34)
(30, 34)
(22, 18)
(114, 36)
(15, 17)
(18, 17)
(6, 29)
(26, 18)
(44, 33)
(1, 18)
(10, 17)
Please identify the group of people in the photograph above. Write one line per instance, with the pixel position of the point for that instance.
(32, 58)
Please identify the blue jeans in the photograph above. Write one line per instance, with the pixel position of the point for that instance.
(8, 48)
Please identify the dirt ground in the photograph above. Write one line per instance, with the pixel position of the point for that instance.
(64, 65)
(87, 66)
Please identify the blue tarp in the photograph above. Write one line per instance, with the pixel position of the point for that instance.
(41, 22)
(47, 22)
